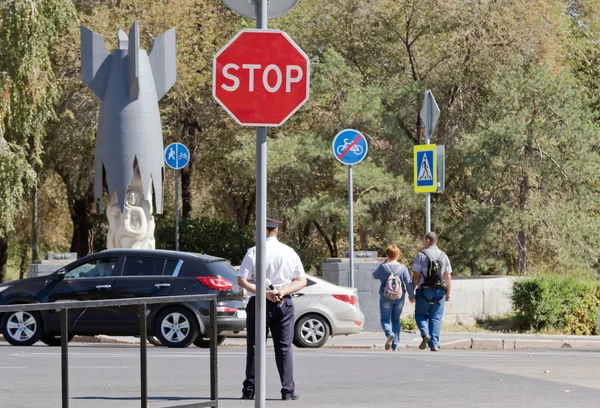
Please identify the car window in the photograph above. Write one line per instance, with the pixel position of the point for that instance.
(310, 282)
(97, 268)
(170, 266)
(143, 266)
(222, 269)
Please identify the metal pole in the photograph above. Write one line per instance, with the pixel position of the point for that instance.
(143, 356)
(427, 141)
(64, 356)
(176, 210)
(214, 375)
(351, 224)
(261, 244)
(34, 224)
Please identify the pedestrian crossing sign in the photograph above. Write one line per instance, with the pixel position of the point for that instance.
(425, 168)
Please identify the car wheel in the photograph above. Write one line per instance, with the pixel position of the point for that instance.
(311, 331)
(154, 341)
(54, 341)
(176, 327)
(22, 328)
(204, 342)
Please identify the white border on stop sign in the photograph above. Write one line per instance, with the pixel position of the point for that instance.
(214, 87)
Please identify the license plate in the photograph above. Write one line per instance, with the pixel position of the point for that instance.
(241, 314)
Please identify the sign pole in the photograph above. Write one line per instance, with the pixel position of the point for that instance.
(351, 224)
(428, 132)
(177, 156)
(176, 210)
(261, 243)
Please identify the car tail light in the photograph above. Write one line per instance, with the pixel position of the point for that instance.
(358, 323)
(215, 283)
(347, 298)
(225, 309)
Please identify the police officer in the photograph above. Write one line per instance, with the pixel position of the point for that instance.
(429, 307)
(286, 273)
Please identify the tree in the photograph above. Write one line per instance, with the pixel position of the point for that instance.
(529, 177)
(28, 32)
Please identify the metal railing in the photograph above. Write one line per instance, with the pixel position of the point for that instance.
(141, 302)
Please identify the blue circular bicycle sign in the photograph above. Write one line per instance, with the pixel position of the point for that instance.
(350, 146)
(177, 156)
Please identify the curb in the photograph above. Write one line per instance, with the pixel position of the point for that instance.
(476, 344)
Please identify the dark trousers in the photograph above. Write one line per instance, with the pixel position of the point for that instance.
(280, 320)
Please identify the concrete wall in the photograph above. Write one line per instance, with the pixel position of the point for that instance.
(472, 297)
(50, 263)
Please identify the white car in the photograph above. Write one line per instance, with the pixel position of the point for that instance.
(323, 309)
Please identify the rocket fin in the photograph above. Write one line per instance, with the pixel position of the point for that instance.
(133, 61)
(162, 62)
(123, 40)
(95, 64)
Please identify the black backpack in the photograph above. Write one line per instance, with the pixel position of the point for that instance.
(435, 272)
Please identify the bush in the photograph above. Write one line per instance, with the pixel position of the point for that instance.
(408, 322)
(206, 236)
(566, 304)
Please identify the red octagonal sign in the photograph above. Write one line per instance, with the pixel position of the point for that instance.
(261, 77)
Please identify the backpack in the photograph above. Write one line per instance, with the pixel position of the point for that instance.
(435, 272)
(393, 286)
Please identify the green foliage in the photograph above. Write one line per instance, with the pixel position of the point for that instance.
(28, 33)
(516, 83)
(566, 304)
(206, 236)
(537, 126)
(16, 178)
(407, 322)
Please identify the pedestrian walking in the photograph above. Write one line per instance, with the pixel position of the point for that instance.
(395, 283)
(433, 283)
(286, 273)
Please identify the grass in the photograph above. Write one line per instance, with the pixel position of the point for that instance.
(505, 323)
(12, 270)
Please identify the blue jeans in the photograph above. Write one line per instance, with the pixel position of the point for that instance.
(390, 311)
(429, 315)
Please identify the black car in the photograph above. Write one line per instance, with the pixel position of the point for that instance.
(125, 273)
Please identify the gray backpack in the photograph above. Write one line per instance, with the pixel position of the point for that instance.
(393, 285)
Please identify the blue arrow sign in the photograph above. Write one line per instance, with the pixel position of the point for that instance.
(350, 146)
(177, 156)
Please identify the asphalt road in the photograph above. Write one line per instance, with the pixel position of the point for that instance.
(108, 376)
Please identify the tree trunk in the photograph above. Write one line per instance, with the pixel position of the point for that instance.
(80, 208)
(522, 237)
(328, 242)
(3, 258)
(23, 265)
(364, 238)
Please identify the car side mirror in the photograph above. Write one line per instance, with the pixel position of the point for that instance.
(61, 274)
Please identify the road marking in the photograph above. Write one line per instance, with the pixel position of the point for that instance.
(97, 367)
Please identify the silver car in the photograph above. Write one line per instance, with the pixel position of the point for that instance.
(323, 309)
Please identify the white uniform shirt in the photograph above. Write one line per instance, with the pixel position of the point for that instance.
(283, 264)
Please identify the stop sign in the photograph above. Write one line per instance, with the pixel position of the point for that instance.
(261, 77)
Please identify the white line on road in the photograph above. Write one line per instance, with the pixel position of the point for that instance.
(104, 367)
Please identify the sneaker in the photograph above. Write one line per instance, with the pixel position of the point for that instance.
(389, 341)
(290, 397)
(423, 344)
(435, 348)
